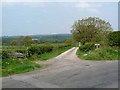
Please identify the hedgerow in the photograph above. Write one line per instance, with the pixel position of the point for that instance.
(33, 50)
(87, 47)
(41, 49)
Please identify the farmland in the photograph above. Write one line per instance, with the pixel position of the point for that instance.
(53, 38)
(22, 58)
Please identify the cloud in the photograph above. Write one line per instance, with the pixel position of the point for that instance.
(91, 7)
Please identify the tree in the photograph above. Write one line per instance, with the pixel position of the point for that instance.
(69, 41)
(91, 29)
(114, 38)
(13, 42)
(16, 43)
(26, 40)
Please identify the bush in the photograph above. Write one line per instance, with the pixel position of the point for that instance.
(107, 53)
(104, 53)
(114, 38)
(63, 45)
(87, 47)
(40, 49)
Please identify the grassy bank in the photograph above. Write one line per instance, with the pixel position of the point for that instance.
(103, 53)
(16, 66)
(54, 53)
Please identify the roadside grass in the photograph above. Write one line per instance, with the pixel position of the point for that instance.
(54, 53)
(103, 53)
(11, 66)
(17, 66)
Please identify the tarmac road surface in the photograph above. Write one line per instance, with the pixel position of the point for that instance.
(67, 71)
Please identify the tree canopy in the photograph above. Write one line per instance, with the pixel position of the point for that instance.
(91, 29)
(114, 38)
(24, 40)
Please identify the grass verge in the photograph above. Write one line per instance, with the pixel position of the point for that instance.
(17, 66)
(106, 53)
(46, 56)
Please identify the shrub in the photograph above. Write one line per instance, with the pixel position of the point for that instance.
(107, 53)
(40, 49)
(86, 47)
(63, 45)
(114, 38)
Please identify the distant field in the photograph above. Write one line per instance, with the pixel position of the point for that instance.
(53, 38)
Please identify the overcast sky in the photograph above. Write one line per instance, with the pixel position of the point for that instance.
(28, 18)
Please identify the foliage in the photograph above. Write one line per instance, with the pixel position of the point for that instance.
(106, 53)
(14, 42)
(24, 51)
(114, 38)
(69, 41)
(91, 29)
(26, 40)
(12, 47)
(35, 49)
(7, 40)
(86, 47)
(23, 41)
(54, 53)
(39, 49)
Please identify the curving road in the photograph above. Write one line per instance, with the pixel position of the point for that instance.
(67, 71)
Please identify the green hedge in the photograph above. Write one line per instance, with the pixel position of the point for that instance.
(114, 38)
(87, 47)
(32, 50)
(41, 49)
